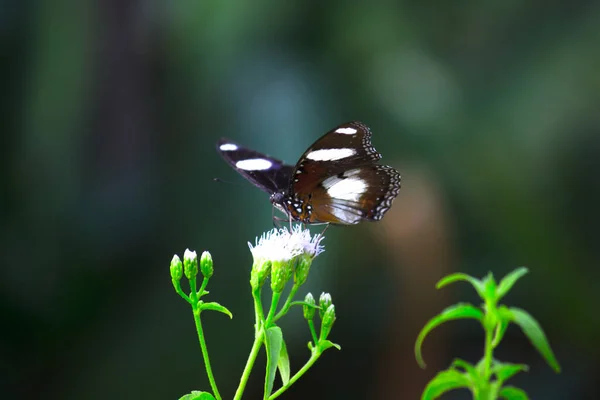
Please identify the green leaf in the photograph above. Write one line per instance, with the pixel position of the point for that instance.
(274, 339)
(214, 307)
(457, 311)
(443, 382)
(512, 393)
(504, 317)
(458, 276)
(196, 395)
(509, 280)
(326, 344)
(532, 329)
(467, 367)
(283, 363)
(489, 285)
(505, 371)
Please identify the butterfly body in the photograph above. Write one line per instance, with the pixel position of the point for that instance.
(337, 180)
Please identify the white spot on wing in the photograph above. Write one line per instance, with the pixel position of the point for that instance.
(346, 131)
(350, 189)
(330, 154)
(254, 164)
(345, 216)
(228, 147)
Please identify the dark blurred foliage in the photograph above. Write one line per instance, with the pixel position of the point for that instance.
(109, 115)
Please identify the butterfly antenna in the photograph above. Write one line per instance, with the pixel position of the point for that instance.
(219, 180)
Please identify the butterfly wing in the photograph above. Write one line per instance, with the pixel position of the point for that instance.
(267, 173)
(363, 193)
(344, 147)
(341, 179)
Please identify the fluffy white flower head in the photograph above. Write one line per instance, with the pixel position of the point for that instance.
(283, 245)
(309, 244)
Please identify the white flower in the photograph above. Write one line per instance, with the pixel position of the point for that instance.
(311, 245)
(272, 246)
(283, 245)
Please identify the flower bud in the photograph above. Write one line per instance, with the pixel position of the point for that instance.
(190, 264)
(281, 272)
(302, 269)
(206, 264)
(327, 321)
(176, 268)
(307, 310)
(324, 303)
(260, 273)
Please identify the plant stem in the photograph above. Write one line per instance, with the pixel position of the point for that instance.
(274, 302)
(288, 303)
(258, 339)
(487, 363)
(196, 310)
(313, 358)
(180, 292)
(313, 332)
(259, 315)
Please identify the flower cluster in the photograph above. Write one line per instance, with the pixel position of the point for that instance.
(277, 251)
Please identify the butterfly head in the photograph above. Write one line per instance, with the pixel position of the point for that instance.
(298, 209)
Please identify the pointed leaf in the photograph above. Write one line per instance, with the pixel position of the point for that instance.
(457, 311)
(283, 363)
(509, 280)
(477, 284)
(443, 382)
(215, 307)
(468, 367)
(489, 285)
(196, 395)
(504, 317)
(512, 393)
(505, 371)
(532, 329)
(326, 344)
(274, 339)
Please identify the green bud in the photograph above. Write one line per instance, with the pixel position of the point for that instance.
(302, 269)
(190, 264)
(308, 311)
(260, 273)
(327, 322)
(324, 303)
(281, 272)
(206, 264)
(176, 268)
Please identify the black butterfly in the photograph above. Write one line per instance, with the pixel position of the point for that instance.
(337, 180)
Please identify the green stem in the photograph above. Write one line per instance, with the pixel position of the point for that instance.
(259, 315)
(313, 358)
(313, 332)
(179, 291)
(487, 363)
(271, 315)
(203, 286)
(258, 340)
(196, 310)
(288, 303)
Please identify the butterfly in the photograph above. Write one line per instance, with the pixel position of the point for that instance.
(336, 181)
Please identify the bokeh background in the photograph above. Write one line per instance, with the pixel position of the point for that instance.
(110, 110)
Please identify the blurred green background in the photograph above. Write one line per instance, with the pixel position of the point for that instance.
(110, 111)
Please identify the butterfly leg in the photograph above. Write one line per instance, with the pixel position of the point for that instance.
(324, 230)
